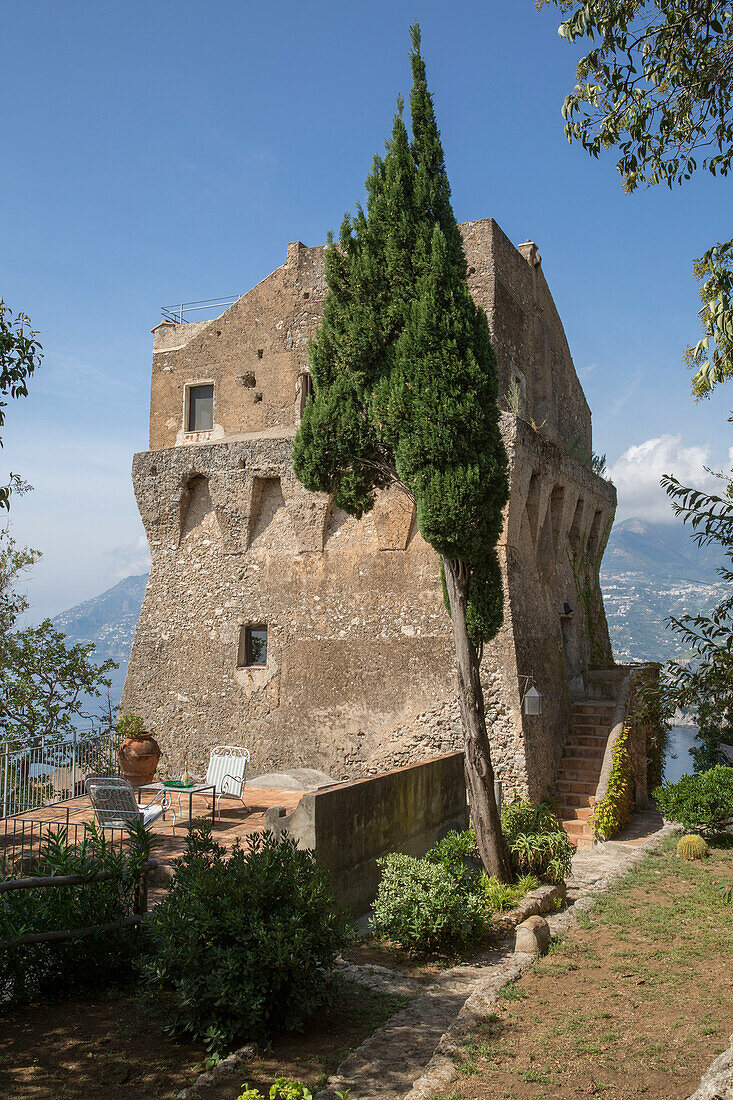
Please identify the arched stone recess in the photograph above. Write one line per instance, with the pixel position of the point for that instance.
(394, 514)
(516, 530)
(556, 509)
(308, 515)
(532, 506)
(269, 522)
(201, 502)
(577, 525)
(198, 517)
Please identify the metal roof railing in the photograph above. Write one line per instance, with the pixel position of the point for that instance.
(177, 314)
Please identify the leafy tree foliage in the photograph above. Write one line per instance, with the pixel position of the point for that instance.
(706, 682)
(20, 356)
(712, 356)
(44, 682)
(658, 86)
(405, 393)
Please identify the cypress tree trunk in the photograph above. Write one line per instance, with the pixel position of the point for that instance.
(479, 772)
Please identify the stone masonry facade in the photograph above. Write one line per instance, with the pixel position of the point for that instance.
(360, 670)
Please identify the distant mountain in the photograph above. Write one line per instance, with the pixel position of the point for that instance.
(108, 620)
(651, 571)
(659, 550)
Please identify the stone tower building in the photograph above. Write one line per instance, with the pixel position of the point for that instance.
(273, 619)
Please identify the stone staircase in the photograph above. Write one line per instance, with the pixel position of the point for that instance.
(580, 767)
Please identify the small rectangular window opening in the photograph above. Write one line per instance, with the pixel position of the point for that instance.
(252, 651)
(200, 408)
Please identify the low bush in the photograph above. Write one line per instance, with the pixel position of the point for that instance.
(69, 966)
(423, 906)
(700, 803)
(247, 942)
(281, 1089)
(442, 903)
(536, 841)
(499, 896)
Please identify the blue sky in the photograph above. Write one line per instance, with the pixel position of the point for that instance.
(166, 151)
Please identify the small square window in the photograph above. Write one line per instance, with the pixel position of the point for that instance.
(252, 652)
(200, 408)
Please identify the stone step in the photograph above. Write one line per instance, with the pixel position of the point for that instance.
(584, 752)
(570, 786)
(590, 705)
(573, 813)
(575, 829)
(567, 799)
(579, 775)
(590, 721)
(588, 740)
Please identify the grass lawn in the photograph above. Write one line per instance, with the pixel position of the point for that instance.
(635, 1001)
(110, 1047)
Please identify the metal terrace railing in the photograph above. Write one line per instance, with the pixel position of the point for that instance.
(22, 840)
(178, 314)
(53, 771)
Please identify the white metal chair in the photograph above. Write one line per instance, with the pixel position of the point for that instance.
(227, 772)
(116, 806)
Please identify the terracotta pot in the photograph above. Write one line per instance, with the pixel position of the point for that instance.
(139, 756)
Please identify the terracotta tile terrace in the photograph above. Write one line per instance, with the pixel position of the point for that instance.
(236, 822)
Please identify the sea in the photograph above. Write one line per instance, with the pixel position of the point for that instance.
(678, 761)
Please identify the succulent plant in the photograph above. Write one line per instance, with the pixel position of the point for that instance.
(692, 847)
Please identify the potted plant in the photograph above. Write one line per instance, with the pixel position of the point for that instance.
(139, 752)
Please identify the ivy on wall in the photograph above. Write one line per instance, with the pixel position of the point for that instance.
(614, 810)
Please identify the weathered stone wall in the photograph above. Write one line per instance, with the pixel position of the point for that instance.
(360, 672)
(351, 825)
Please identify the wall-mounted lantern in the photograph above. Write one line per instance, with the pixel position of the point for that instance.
(532, 701)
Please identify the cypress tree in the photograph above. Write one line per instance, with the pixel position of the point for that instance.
(405, 391)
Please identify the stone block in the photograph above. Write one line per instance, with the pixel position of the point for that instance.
(550, 897)
(533, 936)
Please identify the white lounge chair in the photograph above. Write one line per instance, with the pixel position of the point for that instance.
(227, 772)
(116, 806)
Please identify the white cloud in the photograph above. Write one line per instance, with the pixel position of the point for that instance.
(636, 475)
(130, 560)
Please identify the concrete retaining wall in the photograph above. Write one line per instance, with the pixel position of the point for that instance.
(350, 825)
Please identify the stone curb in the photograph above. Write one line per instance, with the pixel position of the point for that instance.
(441, 1071)
(717, 1081)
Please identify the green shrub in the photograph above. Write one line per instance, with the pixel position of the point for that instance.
(421, 906)
(69, 966)
(455, 848)
(536, 841)
(247, 941)
(497, 896)
(281, 1089)
(458, 854)
(701, 803)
